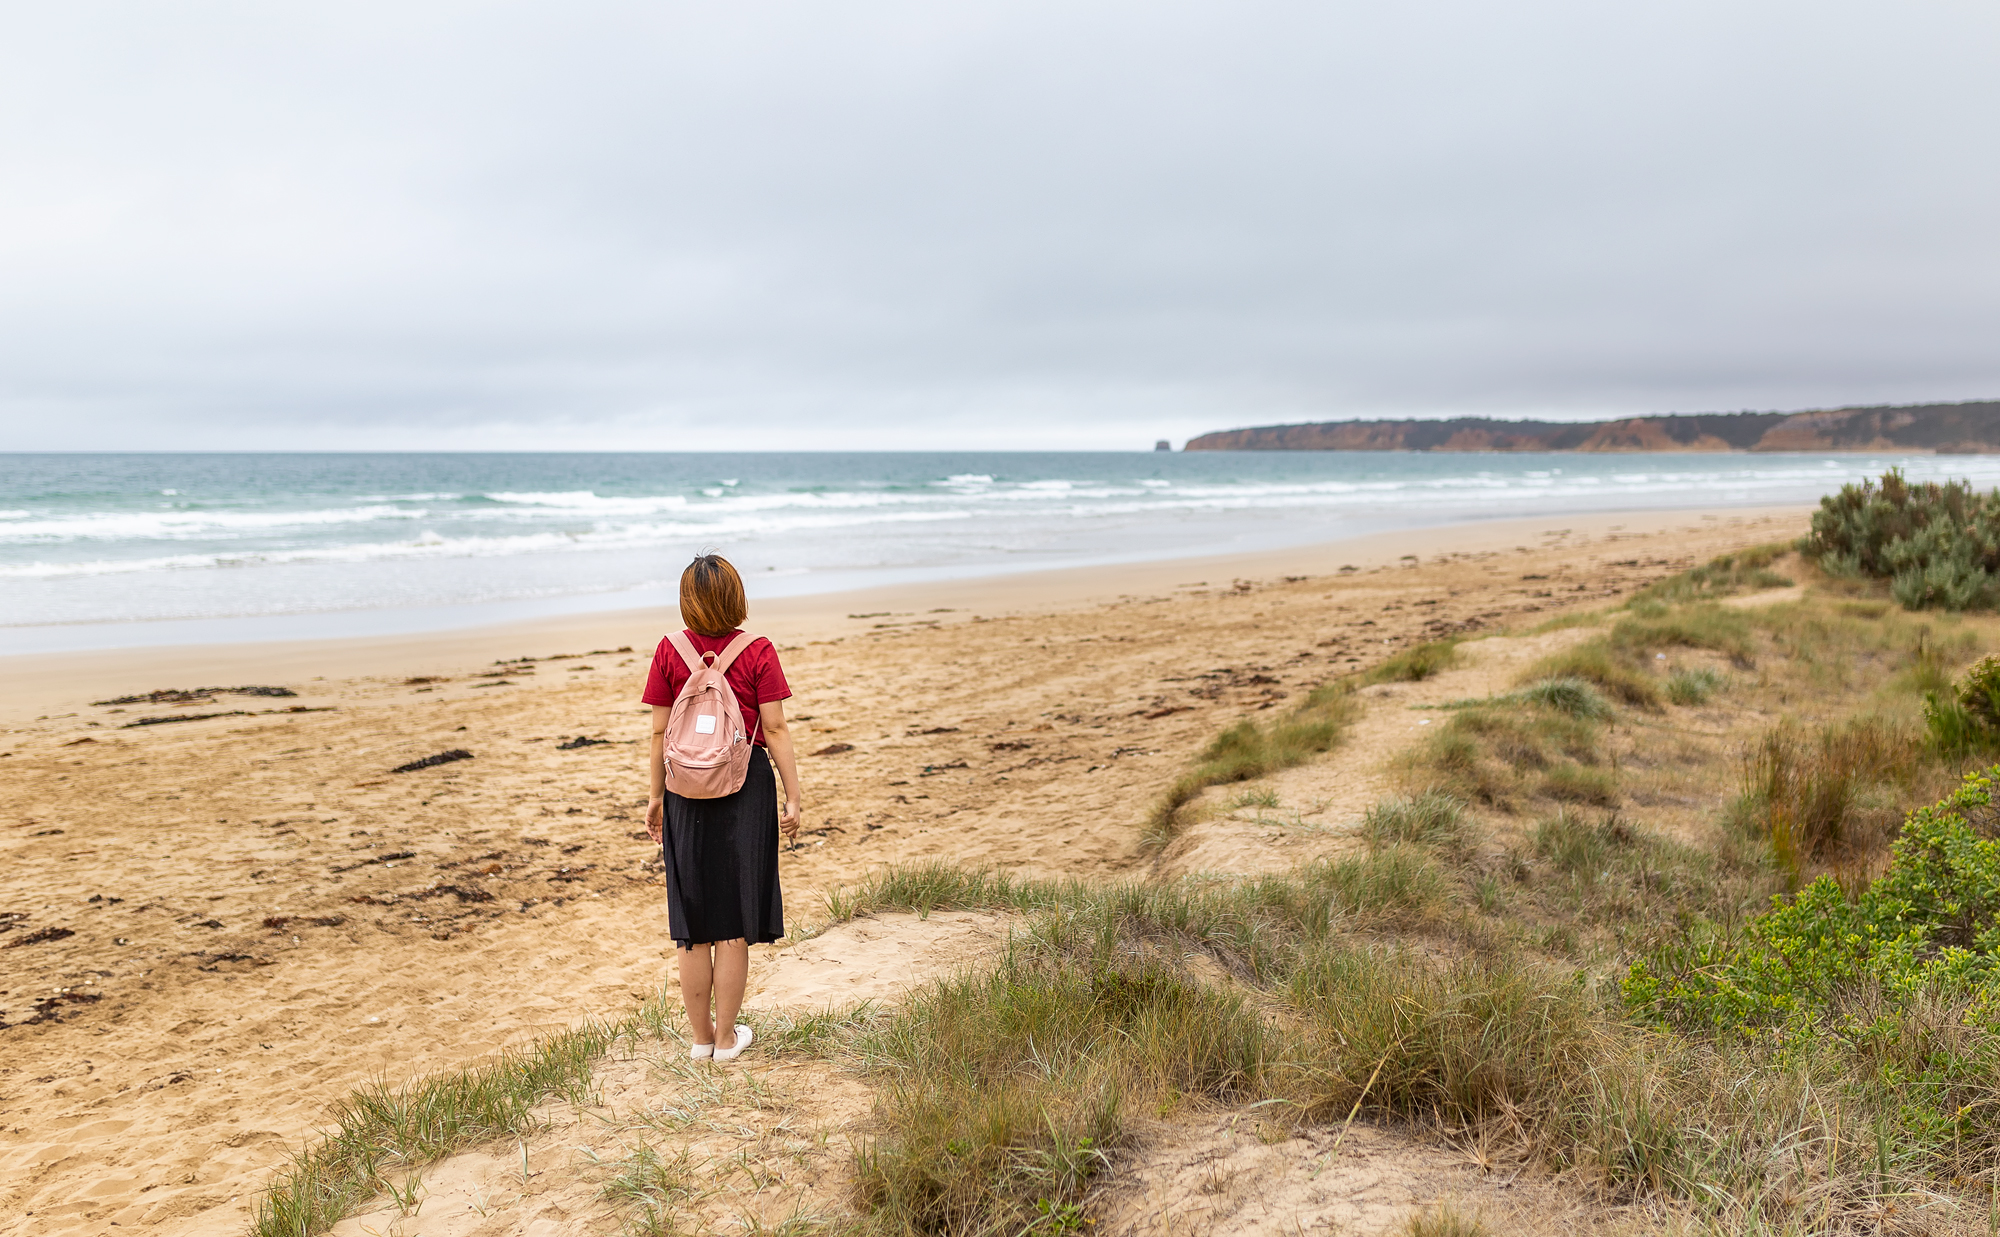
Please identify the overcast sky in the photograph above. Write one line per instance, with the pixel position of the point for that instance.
(1021, 224)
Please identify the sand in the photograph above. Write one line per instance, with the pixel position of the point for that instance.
(261, 915)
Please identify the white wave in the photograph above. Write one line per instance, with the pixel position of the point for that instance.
(15, 515)
(589, 501)
(181, 525)
(430, 544)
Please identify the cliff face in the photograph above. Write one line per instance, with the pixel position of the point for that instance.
(1956, 428)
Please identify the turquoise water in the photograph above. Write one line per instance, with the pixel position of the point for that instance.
(122, 549)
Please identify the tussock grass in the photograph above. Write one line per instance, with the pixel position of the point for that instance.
(1723, 576)
(1443, 1221)
(1593, 661)
(1248, 750)
(1694, 685)
(1803, 792)
(1005, 1092)
(1578, 784)
(1574, 696)
(1413, 665)
(1495, 753)
(1004, 1095)
(650, 1186)
(936, 885)
(381, 1132)
(1707, 626)
(1432, 821)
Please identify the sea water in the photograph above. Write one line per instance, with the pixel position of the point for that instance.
(107, 550)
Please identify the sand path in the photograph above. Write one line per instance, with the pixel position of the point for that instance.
(207, 915)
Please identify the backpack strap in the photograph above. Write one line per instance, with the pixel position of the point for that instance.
(685, 647)
(693, 660)
(730, 651)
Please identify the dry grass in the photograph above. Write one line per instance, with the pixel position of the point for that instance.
(1595, 662)
(1248, 750)
(1498, 754)
(382, 1136)
(1458, 988)
(1413, 665)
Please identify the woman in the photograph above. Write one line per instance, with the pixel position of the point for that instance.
(722, 854)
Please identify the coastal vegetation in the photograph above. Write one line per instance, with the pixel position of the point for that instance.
(1700, 915)
(1251, 749)
(1938, 545)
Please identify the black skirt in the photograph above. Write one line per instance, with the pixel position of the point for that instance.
(722, 863)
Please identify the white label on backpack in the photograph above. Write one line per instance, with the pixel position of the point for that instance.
(704, 724)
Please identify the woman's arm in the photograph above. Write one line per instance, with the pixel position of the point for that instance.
(656, 771)
(778, 739)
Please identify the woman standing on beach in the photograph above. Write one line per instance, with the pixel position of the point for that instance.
(721, 854)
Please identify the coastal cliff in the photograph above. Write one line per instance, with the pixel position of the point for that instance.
(1968, 428)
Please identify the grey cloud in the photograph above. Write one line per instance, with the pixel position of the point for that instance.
(887, 224)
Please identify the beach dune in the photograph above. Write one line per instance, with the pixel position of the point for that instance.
(223, 912)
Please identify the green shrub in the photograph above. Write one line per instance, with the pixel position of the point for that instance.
(1979, 691)
(1929, 924)
(1694, 685)
(1937, 544)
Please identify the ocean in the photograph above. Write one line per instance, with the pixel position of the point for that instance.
(115, 550)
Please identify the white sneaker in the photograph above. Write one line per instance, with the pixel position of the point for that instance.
(743, 1038)
(700, 1052)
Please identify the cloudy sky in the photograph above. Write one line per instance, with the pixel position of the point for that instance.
(1074, 224)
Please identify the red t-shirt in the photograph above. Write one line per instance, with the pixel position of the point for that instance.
(755, 676)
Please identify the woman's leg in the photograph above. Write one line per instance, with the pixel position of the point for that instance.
(697, 982)
(732, 972)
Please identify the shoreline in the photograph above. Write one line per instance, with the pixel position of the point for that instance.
(271, 914)
(48, 683)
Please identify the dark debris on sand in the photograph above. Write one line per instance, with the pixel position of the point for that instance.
(431, 762)
(196, 695)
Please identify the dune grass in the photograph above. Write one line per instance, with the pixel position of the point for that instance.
(1456, 988)
(1694, 685)
(1723, 576)
(1413, 665)
(1249, 749)
(1005, 1095)
(1495, 753)
(1594, 662)
(1649, 628)
(381, 1135)
(1432, 820)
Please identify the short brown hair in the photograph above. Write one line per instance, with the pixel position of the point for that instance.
(712, 596)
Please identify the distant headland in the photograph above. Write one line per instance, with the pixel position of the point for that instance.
(1945, 429)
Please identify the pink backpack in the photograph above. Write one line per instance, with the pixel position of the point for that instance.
(706, 752)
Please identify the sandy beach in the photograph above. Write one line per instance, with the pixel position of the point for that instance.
(228, 910)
